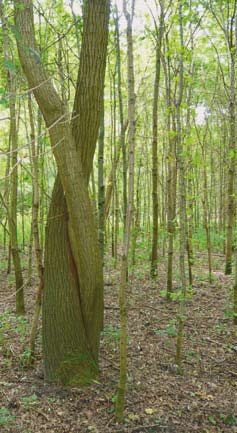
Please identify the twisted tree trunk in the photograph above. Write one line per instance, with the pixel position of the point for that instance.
(73, 286)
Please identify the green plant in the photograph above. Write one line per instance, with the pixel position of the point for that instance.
(25, 357)
(5, 416)
(5, 325)
(10, 280)
(3, 265)
(212, 420)
(29, 400)
(22, 327)
(111, 334)
(230, 420)
(178, 295)
(229, 313)
(192, 356)
(170, 331)
(51, 400)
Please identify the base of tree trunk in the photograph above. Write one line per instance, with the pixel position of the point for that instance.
(76, 369)
(70, 355)
(228, 268)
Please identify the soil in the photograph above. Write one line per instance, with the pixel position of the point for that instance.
(202, 399)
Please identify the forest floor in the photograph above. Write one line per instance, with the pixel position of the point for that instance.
(203, 399)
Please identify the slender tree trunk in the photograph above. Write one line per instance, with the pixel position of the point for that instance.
(206, 222)
(235, 290)
(232, 151)
(35, 230)
(171, 180)
(111, 177)
(182, 199)
(6, 197)
(126, 241)
(121, 115)
(154, 252)
(12, 216)
(172, 169)
(190, 164)
(101, 188)
(136, 220)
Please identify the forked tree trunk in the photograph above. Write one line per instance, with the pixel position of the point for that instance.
(73, 289)
(67, 352)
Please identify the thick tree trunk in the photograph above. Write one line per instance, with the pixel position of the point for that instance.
(67, 353)
(73, 289)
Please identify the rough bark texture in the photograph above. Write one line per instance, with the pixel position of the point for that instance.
(73, 291)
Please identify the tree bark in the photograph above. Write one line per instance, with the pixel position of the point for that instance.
(35, 232)
(232, 163)
(101, 187)
(126, 240)
(159, 37)
(13, 145)
(73, 290)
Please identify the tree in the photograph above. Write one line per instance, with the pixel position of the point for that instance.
(227, 22)
(73, 278)
(13, 146)
(129, 211)
(159, 36)
(182, 192)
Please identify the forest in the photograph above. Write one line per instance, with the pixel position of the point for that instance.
(118, 234)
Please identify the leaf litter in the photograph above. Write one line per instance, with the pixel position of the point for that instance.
(202, 400)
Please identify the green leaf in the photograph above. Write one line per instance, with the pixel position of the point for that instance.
(231, 420)
(211, 420)
(4, 411)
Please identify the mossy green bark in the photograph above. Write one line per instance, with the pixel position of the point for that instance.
(77, 369)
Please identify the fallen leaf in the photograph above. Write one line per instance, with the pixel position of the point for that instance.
(133, 417)
(149, 411)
